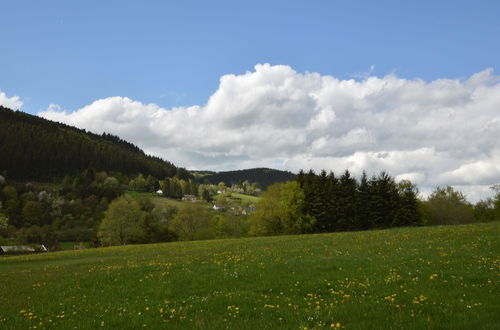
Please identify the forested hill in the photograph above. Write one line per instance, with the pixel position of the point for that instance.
(33, 148)
(264, 176)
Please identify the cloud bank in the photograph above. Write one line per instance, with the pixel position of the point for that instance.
(13, 102)
(443, 132)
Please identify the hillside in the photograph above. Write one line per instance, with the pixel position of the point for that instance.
(264, 176)
(406, 278)
(33, 148)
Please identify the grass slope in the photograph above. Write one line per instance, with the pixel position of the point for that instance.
(411, 278)
(246, 198)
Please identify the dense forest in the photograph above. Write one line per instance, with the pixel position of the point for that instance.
(264, 176)
(340, 203)
(318, 203)
(100, 209)
(33, 148)
(68, 211)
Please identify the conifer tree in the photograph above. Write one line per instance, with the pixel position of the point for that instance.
(167, 192)
(384, 202)
(409, 213)
(363, 213)
(320, 203)
(347, 197)
(175, 188)
(332, 200)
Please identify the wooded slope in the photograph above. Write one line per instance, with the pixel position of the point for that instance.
(264, 176)
(34, 148)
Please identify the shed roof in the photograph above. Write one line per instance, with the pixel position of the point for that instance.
(22, 248)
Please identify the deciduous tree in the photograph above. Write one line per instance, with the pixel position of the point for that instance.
(124, 223)
(446, 206)
(193, 222)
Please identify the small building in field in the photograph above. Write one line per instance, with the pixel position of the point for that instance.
(251, 208)
(237, 189)
(22, 249)
(218, 207)
(159, 192)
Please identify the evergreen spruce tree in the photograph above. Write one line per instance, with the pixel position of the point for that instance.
(347, 197)
(321, 208)
(332, 200)
(175, 188)
(363, 210)
(384, 201)
(409, 213)
(167, 192)
(300, 178)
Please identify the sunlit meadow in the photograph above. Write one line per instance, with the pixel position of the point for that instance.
(411, 278)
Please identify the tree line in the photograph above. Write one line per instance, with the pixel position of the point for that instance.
(94, 207)
(47, 213)
(264, 176)
(319, 203)
(130, 221)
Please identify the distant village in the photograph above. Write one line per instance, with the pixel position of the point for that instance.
(225, 198)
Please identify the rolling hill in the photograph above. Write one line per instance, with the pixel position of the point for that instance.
(264, 176)
(34, 148)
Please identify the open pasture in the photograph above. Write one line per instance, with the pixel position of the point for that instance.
(246, 198)
(411, 278)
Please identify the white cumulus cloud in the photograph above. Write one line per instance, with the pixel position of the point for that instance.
(13, 102)
(435, 133)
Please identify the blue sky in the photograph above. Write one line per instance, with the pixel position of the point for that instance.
(173, 53)
(408, 87)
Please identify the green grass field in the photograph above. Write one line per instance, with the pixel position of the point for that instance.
(173, 202)
(71, 245)
(244, 198)
(409, 278)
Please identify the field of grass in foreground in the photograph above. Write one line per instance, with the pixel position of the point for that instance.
(411, 278)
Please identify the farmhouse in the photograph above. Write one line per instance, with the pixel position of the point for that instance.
(249, 209)
(218, 207)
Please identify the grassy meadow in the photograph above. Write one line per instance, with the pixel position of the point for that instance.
(406, 278)
(246, 198)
